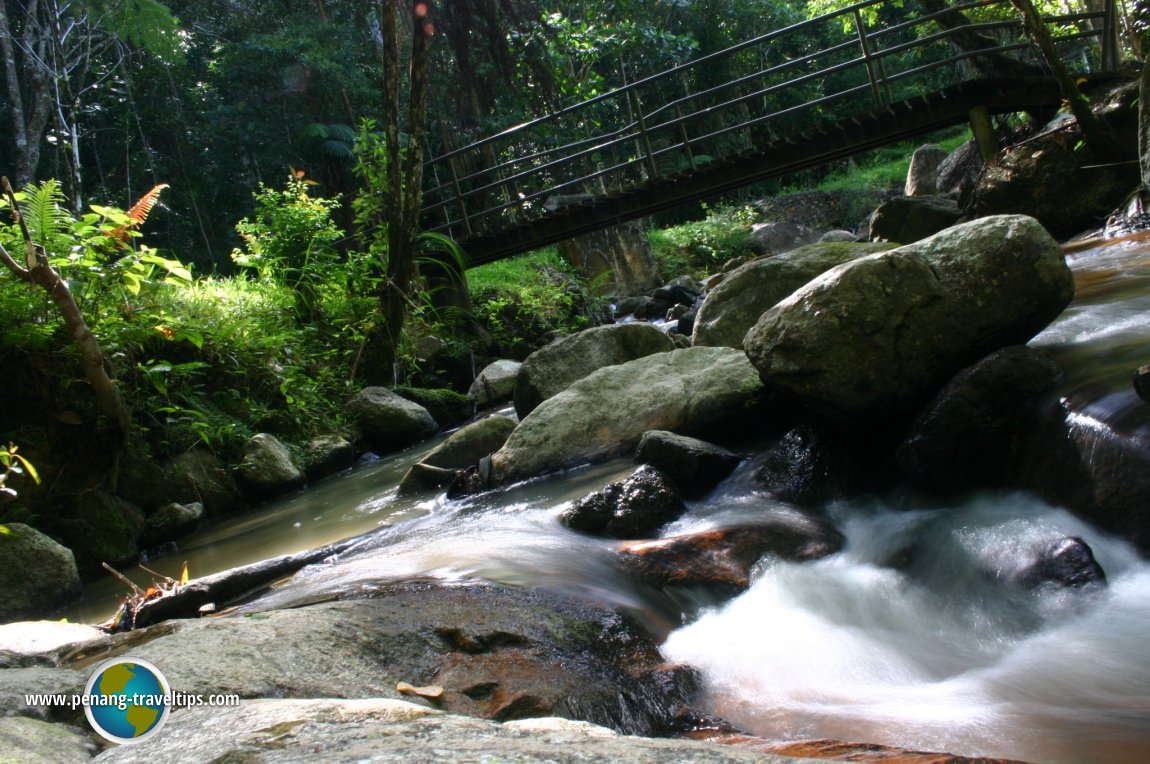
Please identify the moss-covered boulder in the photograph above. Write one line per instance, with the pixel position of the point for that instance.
(100, 527)
(37, 574)
(268, 468)
(446, 406)
(387, 421)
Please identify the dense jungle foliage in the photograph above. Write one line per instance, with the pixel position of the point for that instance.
(245, 301)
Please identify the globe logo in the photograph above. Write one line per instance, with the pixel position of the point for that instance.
(127, 700)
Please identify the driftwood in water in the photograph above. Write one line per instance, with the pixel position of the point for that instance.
(230, 585)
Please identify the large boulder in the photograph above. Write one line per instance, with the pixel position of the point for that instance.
(268, 468)
(388, 422)
(696, 465)
(906, 219)
(495, 383)
(498, 653)
(325, 455)
(100, 527)
(732, 308)
(880, 335)
(783, 236)
(965, 438)
(37, 575)
(446, 406)
(462, 449)
(386, 731)
(170, 522)
(634, 508)
(692, 390)
(31, 741)
(552, 369)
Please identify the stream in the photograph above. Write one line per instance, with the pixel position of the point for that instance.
(907, 638)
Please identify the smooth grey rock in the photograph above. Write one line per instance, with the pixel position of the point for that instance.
(268, 468)
(838, 235)
(735, 305)
(388, 422)
(692, 390)
(400, 732)
(880, 335)
(694, 465)
(31, 741)
(551, 369)
(498, 652)
(45, 643)
(463, 448)
(922, 174)
(170, 522)
(496, 383)
(36, 574)
(326, 455)
(18, 683)
(773, 238)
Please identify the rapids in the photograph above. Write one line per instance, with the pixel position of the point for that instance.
(913, 636)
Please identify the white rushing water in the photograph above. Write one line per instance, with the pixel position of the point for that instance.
(914, 636)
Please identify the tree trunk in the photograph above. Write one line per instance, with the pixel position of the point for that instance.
(1094, 132)
(38, 271)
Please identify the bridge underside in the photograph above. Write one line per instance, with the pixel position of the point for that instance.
(827, 143)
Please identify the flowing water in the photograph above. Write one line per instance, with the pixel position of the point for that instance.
(913, 636)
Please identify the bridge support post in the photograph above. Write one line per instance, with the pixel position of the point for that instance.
(984, 136)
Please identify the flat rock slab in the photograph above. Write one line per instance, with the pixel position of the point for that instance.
(397, 732)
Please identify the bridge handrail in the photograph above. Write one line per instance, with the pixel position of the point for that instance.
(507, 178)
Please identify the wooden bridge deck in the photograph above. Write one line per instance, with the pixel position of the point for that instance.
(874, 129)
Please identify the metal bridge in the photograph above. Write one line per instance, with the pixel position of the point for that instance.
(763, 109)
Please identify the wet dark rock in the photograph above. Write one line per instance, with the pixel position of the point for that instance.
(667, 297)
(966, 437)
(686, 325)
(387, 421)
(552, 369)
(36, 575)
(171, 522)
(633, 508)
(875, 338)
(268, 468)
(696, 465)
(724, 557)
(498, 653)
(778, 237)
(1142, 382)
(326, 455)
(1069, 563)
(100, 527)
(959, 172)
(813, 464)
(198, 475)
(906, 219)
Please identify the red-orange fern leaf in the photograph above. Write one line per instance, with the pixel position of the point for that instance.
(139, 213)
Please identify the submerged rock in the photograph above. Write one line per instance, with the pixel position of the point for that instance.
(724, 557)
(37, 573)
(630, 509)
(878, 336)
(388, 421)
(1068, 562)
(551, 369)
(603, 415)
(696, 465)
(746, 293)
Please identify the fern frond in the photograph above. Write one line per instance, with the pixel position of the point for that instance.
(140, 210)
(45, 210)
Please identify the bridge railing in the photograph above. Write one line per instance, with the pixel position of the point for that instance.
(789, 80)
